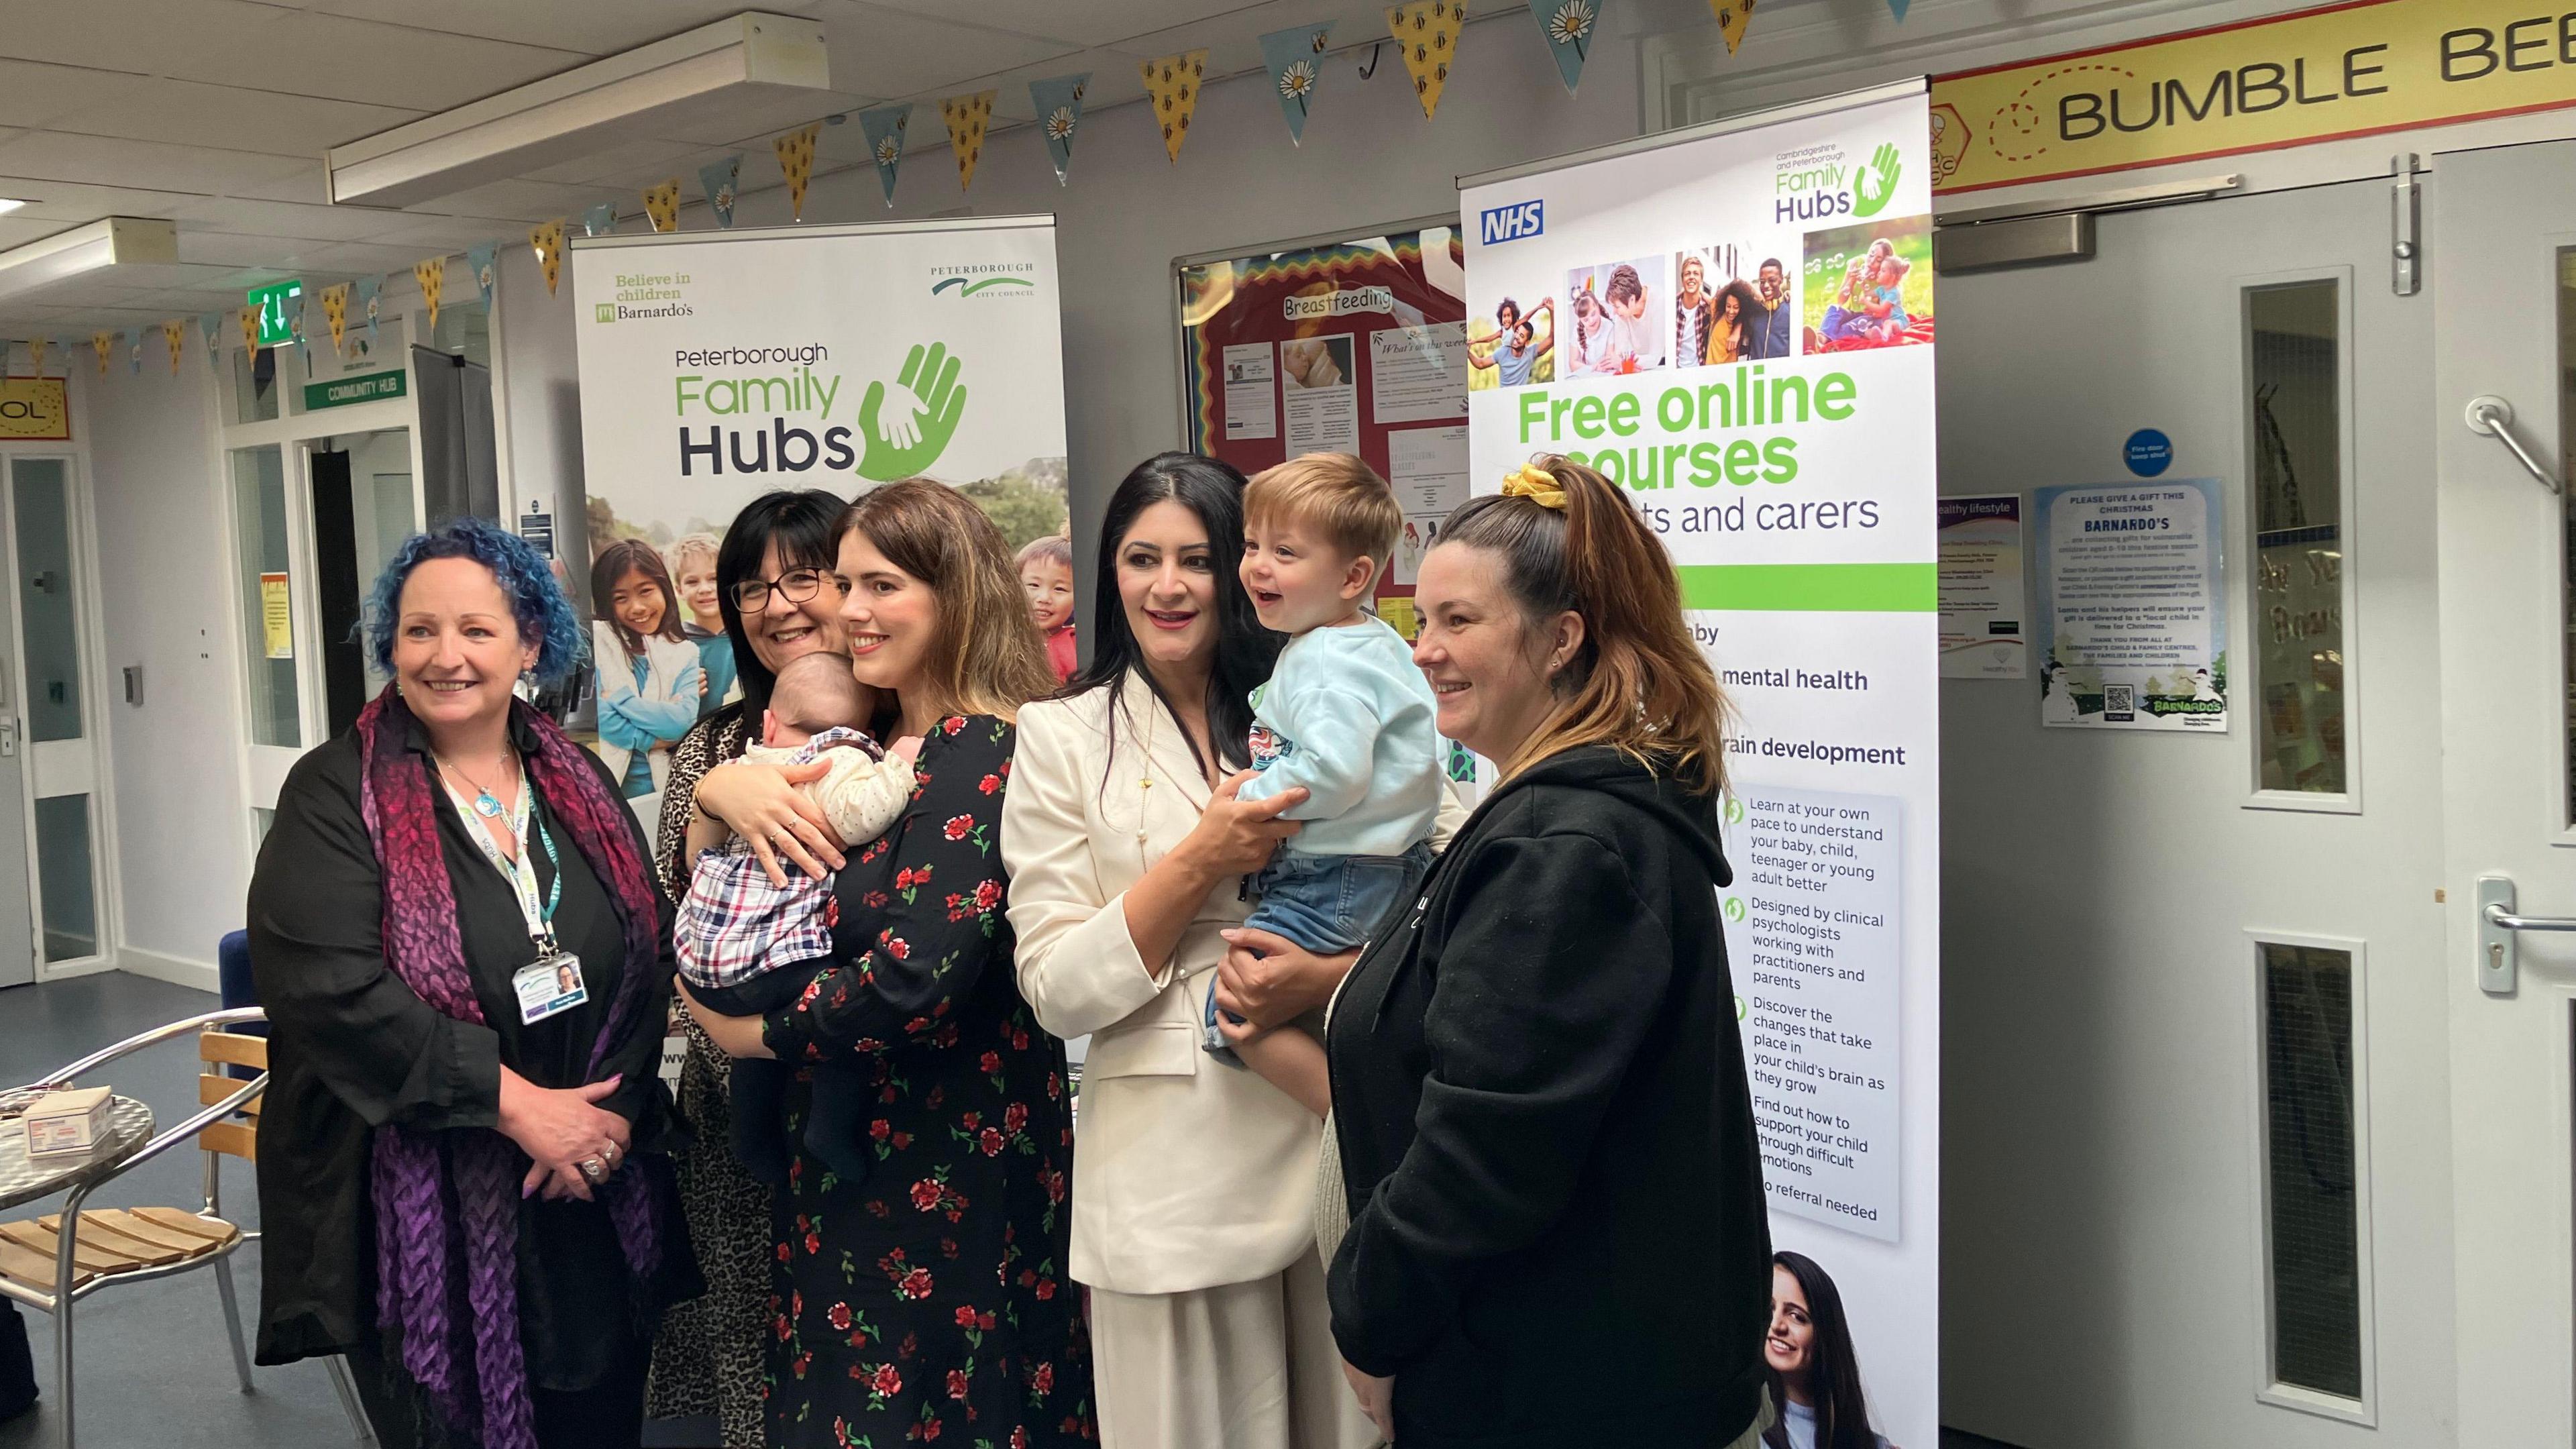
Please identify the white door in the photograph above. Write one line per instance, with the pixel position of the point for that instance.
(2503, 244)
(2195, 1184)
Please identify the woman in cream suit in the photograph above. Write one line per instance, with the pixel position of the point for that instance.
(1193, 1181)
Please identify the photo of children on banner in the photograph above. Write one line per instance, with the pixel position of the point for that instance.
(749, 945)
(1517, 350)
(1046, 571)
(651, 684)
(1346, 716)
(692, 562)
(1869, 286)
(1815, 1375)
(1631, 294)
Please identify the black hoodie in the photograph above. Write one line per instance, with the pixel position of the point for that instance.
(1557, 1222)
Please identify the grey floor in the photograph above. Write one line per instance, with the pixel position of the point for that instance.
(153, 1364)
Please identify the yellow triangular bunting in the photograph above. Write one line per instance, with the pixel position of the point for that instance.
(1732, 17)
(1427, 33)
(967, 116)
(1173, 82)
(796, 163)
(250, 332)
(432, 276)
(174, 332)
(335, 310)
(547, 240)
(662, 203)
(36, 354)
(105, 342)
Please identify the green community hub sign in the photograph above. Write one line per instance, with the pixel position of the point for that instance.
(365, 387)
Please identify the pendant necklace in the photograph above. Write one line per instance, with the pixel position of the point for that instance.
(485, 803)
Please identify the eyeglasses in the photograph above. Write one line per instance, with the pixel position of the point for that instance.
(795, 586)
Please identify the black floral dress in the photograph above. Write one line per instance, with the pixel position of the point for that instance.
(929, 1303)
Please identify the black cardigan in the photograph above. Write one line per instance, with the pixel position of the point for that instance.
(1557, 1220)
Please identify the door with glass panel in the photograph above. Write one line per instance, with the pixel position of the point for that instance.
(2194, 1181)
(2503, 245)
(53, 731)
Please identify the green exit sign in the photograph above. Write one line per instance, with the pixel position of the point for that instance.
(271, 301)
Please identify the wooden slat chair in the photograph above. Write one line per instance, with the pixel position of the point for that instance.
(131, 1245)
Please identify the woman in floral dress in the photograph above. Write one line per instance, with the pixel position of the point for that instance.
(928, 1301)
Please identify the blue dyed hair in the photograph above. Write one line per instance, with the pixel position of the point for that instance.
(536, 600)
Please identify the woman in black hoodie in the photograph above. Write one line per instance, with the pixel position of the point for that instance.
(1557, 1231)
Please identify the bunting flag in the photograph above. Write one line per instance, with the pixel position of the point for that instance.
(432, 276)
(1059, 107)
(103, 343)
(211, 327)
(796, 162)
(249, 320)
(335, 311)
(600, 220)
(884, 128)
(1296, 59)
(1732, 17)
(1173, 82)
(1427, 33)
(1567, 24)
(662, 204)
(1897, 9)
(548, 240)
(133, 350)
(967, 118)
(294, 309)
(370, 289)
(36, 354)
(173, 333)
(484, 262)
(720, 178)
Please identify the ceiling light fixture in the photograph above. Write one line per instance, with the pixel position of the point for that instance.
(702, 76)
(11, 203)
(113, 241)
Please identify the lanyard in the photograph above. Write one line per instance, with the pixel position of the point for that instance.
(519, 871)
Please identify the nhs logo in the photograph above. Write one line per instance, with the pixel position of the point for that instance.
(1516, 222)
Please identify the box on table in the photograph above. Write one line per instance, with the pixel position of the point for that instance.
(67, 1124)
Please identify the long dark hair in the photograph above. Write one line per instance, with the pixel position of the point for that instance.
(804, 524)
(1833, 1371)
(1244, 650)
(614, 563)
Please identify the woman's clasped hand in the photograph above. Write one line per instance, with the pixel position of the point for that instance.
(562, 1130)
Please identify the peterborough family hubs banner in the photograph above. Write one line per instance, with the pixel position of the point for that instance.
(1735, 323)
(716, 367)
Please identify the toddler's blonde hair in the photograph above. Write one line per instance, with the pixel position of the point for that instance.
(1334, 494)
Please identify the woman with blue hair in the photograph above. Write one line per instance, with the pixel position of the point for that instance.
(467, 966)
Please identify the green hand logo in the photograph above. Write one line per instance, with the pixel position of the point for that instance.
(1735, 908)
(908, 425)
(1874, 187)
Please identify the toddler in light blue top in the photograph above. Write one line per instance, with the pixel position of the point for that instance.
(1346, 716)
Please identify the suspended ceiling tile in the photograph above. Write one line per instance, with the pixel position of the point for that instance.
(1095, 22)
(32, 94)
(533, 200)
(768, 117)
(236, 249)
(361, 258)
(891, 53)
(1233, 42)
(240, 119)
(15, 229)
(627, 188)
(286, 218)
(618, 160)
(349, 59)
(590, 27)
(65, 156)
(162, 276)
(67, 203)
(307, 183)
(429, 236)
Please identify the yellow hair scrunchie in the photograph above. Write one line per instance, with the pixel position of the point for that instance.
(1536, 484)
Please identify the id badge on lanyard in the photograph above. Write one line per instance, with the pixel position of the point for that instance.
(552, 983)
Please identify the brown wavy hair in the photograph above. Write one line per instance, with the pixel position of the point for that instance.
(985, 655)
(1639, 683)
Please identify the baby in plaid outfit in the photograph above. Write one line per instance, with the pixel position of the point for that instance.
(741, 937)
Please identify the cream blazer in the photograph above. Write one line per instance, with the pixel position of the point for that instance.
(1187, 1173)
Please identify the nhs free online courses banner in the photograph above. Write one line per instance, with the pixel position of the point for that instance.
(716, 367)
(1740, 329)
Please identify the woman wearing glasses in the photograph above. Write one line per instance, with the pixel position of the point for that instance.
(773, 588)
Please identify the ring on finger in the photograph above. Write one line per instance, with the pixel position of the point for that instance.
(593, 1169)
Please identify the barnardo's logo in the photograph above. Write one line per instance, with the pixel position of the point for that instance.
(646, 294)
(986, 279)
(1517, 222)
(1820, 182)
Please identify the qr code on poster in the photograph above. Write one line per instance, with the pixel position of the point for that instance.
(2119, 701)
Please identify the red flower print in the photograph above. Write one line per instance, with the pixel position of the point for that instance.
(966, 1315)
(971, 1121)
(957, 1385)
(925, 1195)
(782, 1328)
(915, 1284)
(1053, 1182)
(874, 900)
(896, 946)
(880, 1129)
(1019, 1040)
(990, 784)
(813, 1243)
(873, 851)
(839, 1315)
(991, 1063)
(1019, 1436)
(1028, 1277)
(887, 1380)
(902, 1140)
(1046, 1289)
(782, 1257)
(956, 906)
(831, 910)
(1042, 1378)
(988, 894)
(1055, 1087)
(957, 826)
(796, 1303)
(990, 1141)
(1015, 1115)
(952, 724)
(916, 1026)
(812, 989)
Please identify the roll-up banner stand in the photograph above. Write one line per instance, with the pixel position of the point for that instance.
(716, 367)
(1740, 320)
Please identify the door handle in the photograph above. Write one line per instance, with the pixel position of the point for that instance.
(2491, 416)
(2498, 925)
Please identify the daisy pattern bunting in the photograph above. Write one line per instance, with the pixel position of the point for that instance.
(1567, 25)
(884, 127)
(1058, 102)
(1294, 58)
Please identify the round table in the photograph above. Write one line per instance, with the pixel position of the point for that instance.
(24, 1179)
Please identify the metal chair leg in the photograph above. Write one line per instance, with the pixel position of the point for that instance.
(232, 1321)
(63, 1243)
(357, 1412)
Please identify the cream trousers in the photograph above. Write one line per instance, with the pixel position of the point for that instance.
(1244, 1366)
